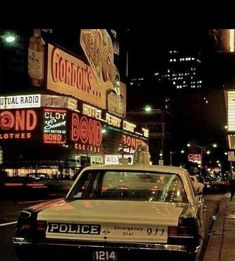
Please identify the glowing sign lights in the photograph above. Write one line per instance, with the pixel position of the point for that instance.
(20, 101)
(54, 126)
(17, 124)
(86, 132)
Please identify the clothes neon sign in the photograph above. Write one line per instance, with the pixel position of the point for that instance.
(17, 124)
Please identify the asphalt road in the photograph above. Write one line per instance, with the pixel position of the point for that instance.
(9, 210)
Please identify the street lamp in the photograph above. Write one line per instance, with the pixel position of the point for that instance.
(148, 108)
(9, 38)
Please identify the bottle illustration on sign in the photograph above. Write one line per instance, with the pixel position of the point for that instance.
(36, 58)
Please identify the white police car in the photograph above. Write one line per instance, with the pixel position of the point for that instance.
(116, 213)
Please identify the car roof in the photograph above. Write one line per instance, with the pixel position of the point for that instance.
(142, 167)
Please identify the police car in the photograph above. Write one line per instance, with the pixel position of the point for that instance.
(118, 212)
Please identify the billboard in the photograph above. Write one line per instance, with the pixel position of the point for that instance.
(18, 124)
(231, 110)
(86, 133)
(20, 101)
(99, 50)
(54, 126)
(68, 75)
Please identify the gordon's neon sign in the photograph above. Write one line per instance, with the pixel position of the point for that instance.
(65, 71)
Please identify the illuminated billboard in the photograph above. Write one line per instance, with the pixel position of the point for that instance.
(98, 48)
(231, 110)
(54, 126)
(86, 133)
(18, 124)
(68, 75)
(20, 101)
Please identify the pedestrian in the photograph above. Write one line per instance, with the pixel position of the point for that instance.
(232, 184)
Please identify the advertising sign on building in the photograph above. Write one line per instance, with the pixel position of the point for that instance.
(54, 126)
(20, 101)
(231, 110)
(194, 157)
(68, 75)
(98, 48)
(86, 133)
(56, 101)
(18, 124)
(114, 159)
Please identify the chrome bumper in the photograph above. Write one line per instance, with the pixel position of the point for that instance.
(24, 243)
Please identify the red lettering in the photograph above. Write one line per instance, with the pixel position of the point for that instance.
(130, 141)
(62, 70)
(75, 126)
(19, 120)
(68, 73)
(86, 131)
(54, 64)
(65, 71)
(31, 120)
(52, 138)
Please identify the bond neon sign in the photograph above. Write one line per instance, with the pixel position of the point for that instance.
(17, 124)
(86, 132)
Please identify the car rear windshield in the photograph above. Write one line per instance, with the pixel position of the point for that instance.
(129, 185)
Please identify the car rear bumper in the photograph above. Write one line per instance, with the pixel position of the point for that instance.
(62, 249)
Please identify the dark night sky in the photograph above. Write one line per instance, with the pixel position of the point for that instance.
(147, 47)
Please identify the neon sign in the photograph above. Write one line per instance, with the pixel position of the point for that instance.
(17, 124)
(86, 132)
(54, 126)
(130, 142)
(129, 126)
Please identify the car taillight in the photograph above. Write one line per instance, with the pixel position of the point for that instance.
(29, 226)
(40, 228)
(186, 232)
(180, 231)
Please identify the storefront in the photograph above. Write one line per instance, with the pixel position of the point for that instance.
(54, 132)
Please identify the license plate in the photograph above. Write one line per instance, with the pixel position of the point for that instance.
(104, 255)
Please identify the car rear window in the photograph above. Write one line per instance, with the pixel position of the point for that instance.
(129, 185)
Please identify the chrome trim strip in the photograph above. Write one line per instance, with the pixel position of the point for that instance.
(18, 241)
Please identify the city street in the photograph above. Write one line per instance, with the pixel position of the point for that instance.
(9, 210)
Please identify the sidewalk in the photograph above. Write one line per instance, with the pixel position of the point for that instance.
(221, 245)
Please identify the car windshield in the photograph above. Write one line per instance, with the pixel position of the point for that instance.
(129, 185)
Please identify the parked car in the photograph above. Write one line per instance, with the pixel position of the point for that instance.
(117, 213)
(37, 176)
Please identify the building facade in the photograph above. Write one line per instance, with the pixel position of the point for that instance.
(72, 114)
